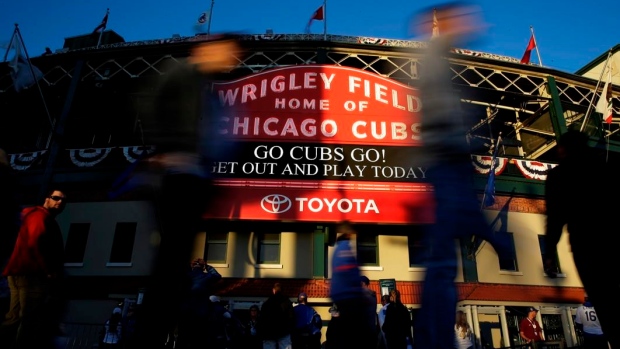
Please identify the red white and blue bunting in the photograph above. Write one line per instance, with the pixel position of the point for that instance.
(132, 154)
(482, 164)
(88, 157)
(534, 169)
(23, 161)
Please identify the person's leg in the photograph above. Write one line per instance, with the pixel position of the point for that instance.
(284, 342)
(179, 210)
(269, 344)
(8, 329)
(33, 296)
(435, 321)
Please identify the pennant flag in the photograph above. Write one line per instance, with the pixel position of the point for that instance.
(435, 32)
(528, 51)
(104, 23)
(489, 191)
(23, 77)
(204, 18)
(604, 104)
(318, 15)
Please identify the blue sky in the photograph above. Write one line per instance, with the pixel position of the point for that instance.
(568, 35)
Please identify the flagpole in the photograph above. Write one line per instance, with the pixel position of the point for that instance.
(324, 20)
(103, 29)
(598, 83)
(34, 76)
(536, 46)
(495, 152)
(210, 16)
(6, 53)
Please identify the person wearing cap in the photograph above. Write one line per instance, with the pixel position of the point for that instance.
(587, 322)
(530, 329)
(308, 324)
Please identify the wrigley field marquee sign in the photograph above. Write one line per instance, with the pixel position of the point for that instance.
(321, 143)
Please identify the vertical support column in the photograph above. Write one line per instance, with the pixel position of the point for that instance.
(569, 329)
(476, 325)
(504, 324)
(319, 236)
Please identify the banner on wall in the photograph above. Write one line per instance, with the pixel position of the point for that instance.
(321, 143)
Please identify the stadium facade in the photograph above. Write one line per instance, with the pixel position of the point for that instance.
(328, 131)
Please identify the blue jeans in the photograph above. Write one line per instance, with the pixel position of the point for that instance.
(457, 215)
(280, 343)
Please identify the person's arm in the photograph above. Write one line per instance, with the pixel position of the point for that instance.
(555, 219)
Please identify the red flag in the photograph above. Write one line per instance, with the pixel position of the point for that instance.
(528, 51)
(104, 23)
(318, 15)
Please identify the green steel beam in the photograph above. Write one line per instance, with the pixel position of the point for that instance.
(555, 109)
(319, 249)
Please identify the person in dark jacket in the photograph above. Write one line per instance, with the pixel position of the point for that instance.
(277, 320)
(397, 325)
(578, 193)
(34, 271)
(308, 324)
(197, 308)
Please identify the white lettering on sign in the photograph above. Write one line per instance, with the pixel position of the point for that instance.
(277, 84)
(337, 205)
(380, 93)
(257, 126)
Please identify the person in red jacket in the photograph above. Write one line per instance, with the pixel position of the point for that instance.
(33, 271)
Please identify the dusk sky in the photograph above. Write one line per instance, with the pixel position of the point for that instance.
(569, 34)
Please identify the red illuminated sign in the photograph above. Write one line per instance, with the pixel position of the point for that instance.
(321, 143)
(320, 103)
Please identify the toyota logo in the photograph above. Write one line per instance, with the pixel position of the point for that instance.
(276, 203)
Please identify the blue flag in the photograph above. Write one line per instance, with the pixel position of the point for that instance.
(489, 191)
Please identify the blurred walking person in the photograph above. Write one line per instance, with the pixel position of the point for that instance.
(573, 199)
(450, 171)
(183, 118)
(357, 319)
